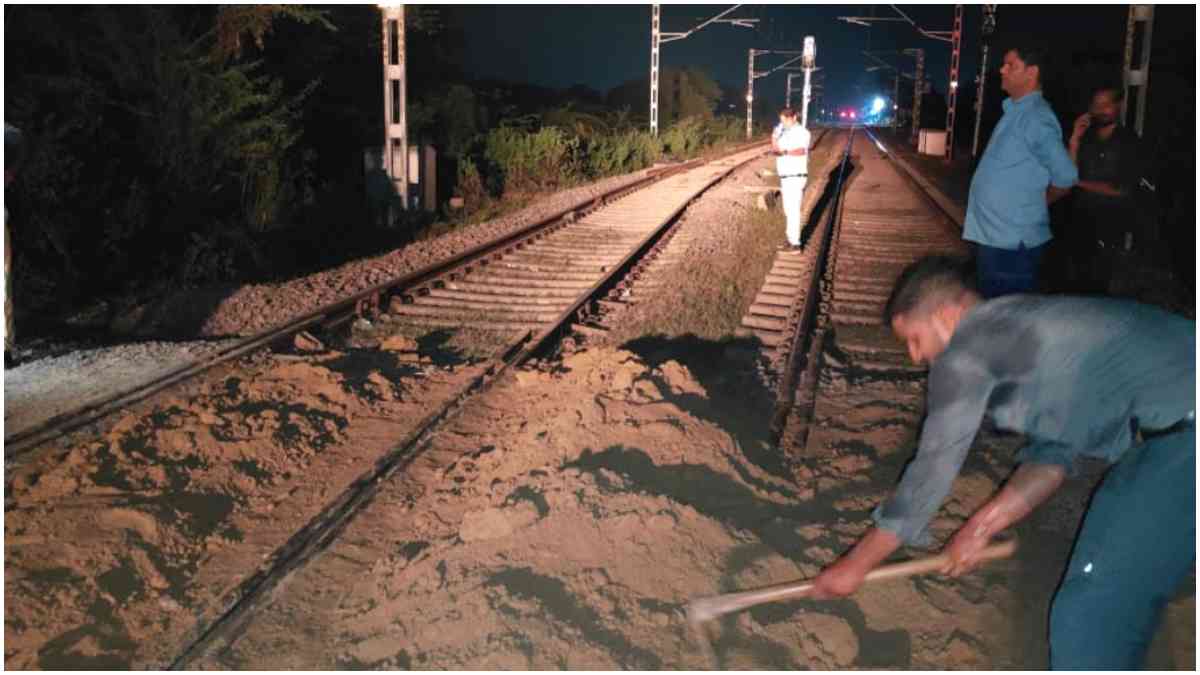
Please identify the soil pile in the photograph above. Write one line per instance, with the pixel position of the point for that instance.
(571, 535)
(117, 547)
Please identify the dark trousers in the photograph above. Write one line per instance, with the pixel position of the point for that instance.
(1136, 547)
(1001, 271)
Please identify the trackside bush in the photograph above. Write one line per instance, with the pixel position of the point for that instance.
(519, 158)
(529, 161)
(612, 154)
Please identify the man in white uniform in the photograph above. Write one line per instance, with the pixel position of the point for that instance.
(790, 143)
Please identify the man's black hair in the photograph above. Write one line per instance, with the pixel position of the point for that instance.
(1032, 53)
(932, 278)
(14, 147)
(787, 112)
(1115, 89)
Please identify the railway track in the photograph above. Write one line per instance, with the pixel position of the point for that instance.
(529, 288)
(547, 273)
(533, 288)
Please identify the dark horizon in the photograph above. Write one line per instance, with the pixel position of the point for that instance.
(603, 46)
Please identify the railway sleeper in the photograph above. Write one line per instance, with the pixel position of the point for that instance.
(777, 311)
(473, 286)
(503, 282)
(544, 272)
(511, 298)
(776, 299)
(488, 304)
(484, 324)
(469, 317)
(582, 262)
(781, 289)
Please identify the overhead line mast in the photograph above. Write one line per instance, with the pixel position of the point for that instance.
(657, 38)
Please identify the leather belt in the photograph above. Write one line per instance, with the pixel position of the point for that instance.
(1188, 422)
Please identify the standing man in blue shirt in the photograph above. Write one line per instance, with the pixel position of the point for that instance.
(1024, 168)
(1079, 377)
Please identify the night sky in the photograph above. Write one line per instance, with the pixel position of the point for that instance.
(602, 46)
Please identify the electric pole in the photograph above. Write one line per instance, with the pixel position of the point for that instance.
(654, 40)
(751, 76)
(989, 27)
(1137, 77)
(918, 92)
(395, 123)
(952, 108)
(750, 95)
(787, 98)
(954, 37)
(896, 103)
(658, 38)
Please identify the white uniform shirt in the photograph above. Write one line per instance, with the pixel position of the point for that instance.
(792, 138)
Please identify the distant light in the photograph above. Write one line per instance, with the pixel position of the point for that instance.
(749, 98)
(895, 106)
(852, 116)
(954, 84)
(877, 105)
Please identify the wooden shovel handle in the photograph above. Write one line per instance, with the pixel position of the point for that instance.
(703, 609)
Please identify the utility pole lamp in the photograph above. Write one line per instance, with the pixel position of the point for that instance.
(952, 107)
(395, 148)
(658, 38)
(809, 62)
(1137, 79)
(989, 27)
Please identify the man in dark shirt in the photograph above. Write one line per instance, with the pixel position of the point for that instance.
(1103, 218)
(1079, 377)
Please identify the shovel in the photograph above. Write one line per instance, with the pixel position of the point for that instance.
(708, 608)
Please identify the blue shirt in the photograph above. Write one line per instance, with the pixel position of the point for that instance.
(1007, 203)
(1073, 374)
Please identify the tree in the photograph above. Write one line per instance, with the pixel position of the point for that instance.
(146, 129)
(682, 93)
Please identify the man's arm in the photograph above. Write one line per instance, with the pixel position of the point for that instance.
(1077, 131)
(1044, 138)
(1054, 194)
(958, 395)
(1100, 187)
(1029, 486)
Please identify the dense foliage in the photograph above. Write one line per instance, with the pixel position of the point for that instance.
(195, 144)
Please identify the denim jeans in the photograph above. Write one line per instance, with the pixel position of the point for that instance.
(1136, 547)
(1002, 271)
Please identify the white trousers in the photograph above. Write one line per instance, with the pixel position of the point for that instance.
(792, 193)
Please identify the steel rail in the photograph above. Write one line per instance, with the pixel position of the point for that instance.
(797, 347)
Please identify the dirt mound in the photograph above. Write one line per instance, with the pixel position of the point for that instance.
(571, 536)
(118, 546)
